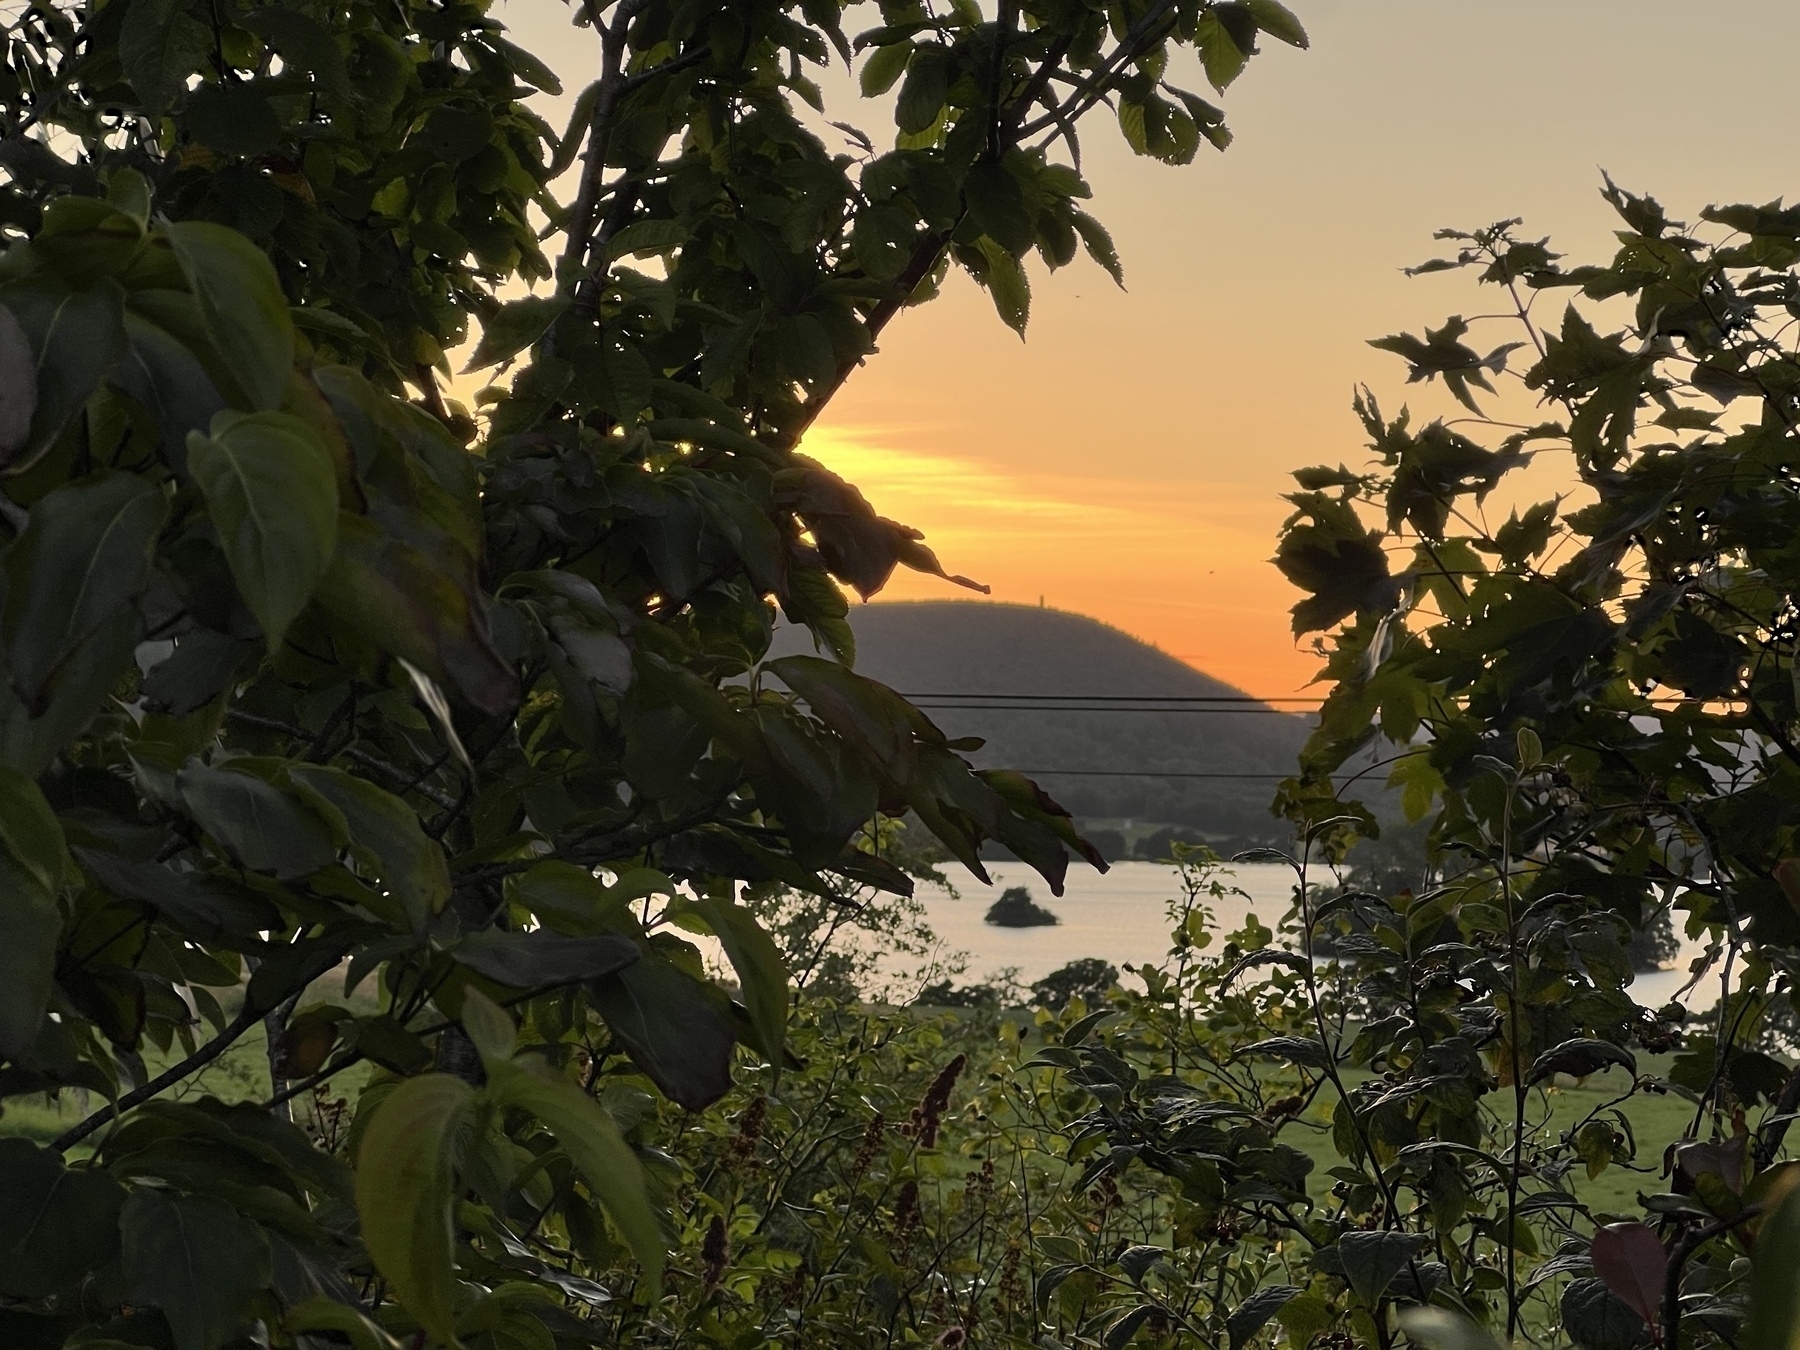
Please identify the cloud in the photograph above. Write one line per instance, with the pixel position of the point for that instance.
(954, 497)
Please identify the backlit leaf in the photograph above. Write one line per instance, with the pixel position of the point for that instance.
(514, 327)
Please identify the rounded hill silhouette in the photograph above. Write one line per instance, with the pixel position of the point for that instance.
(954, 647)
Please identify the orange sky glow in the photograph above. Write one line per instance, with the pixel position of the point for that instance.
(1127, 460)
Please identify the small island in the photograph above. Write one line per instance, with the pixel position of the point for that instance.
(1016, 909)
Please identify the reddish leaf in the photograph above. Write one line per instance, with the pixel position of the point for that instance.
(1630, 1260)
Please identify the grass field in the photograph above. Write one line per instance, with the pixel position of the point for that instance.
(241, 1074)
(1656, 1121)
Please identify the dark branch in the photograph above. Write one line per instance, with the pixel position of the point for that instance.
(247, 1017)
(392, 772)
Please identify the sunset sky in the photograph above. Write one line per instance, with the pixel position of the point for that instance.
(1127, 460)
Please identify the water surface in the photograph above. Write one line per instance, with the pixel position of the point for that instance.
(1121, 916)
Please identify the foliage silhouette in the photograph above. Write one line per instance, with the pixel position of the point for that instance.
(310, 670)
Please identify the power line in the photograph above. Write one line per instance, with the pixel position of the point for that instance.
(1127, 698)
(1141, 773)
(1103, 708)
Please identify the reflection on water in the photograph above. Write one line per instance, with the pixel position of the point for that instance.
(1121, 917)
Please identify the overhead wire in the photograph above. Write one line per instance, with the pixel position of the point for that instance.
(1114, 703)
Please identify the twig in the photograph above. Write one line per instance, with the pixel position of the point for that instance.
(392, 772)
(307, 1084)
(1775, 1129)
(1685, 1246)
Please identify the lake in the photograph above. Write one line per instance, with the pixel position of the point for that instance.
(1121, 917)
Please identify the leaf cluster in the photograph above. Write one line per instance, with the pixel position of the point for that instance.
(340, 714)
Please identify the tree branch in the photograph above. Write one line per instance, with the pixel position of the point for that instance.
(1007, 131)
(311, 1081)
(392, 772)
(1093, 89)
(247, 1017)
(1775, 1129)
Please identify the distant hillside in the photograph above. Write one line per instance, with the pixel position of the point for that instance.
(972, 647)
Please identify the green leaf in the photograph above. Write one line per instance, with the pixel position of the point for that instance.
(538, 959)
(196, 1259)
(761, 972)
(75, 338)
(18, 385)
(1441, 1329)
(160, 45)
(454, 133)
(922, 96)
(1306, 1050)
(164, 377)
(304, 44)
(1419, 782)
(33, 869)
(30, 925)
(490, 1026)
(1371, 1260)
(574, 136)
(241, 306)
(405, 1175)
(31, 834)
(208, 910)
(386, 834)
(884, 66)
(1007, 285)
(651, 235)
(271, 488)
(387, 1043)
(262, 827)
(675, 1028)
(588, 1135)
(1597, 1319)
(233, 119)
(394, 597)
(79, 567)
(321, 1314)
(1221, 55)
(1099, 245)
(1278, 22)
(1578, 1057)
(1255, 1312)
(1774, 1292)
(514, 327)
(527, 66)
(997, 204)
(60, 1224)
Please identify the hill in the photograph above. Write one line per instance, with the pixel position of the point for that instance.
(951, 648)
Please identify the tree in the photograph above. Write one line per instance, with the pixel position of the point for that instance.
(1087, 979)
(1594, 705)
(310, 668)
